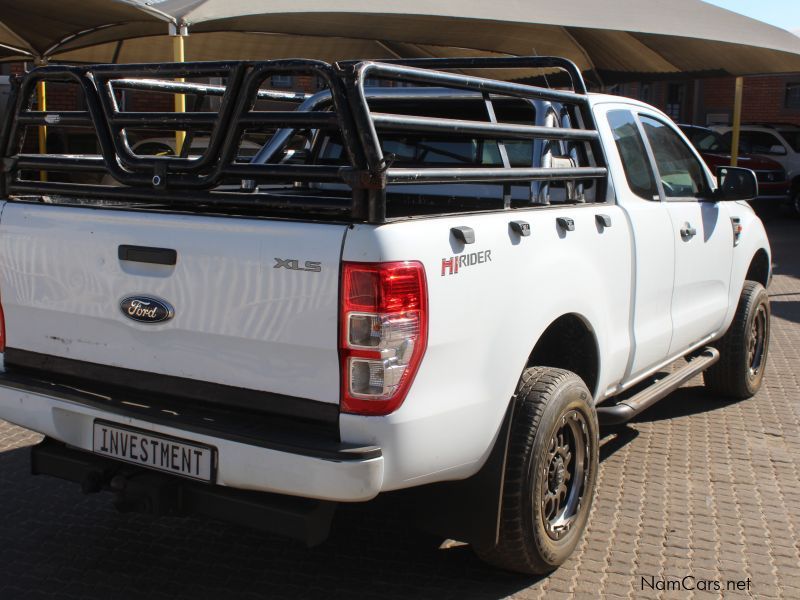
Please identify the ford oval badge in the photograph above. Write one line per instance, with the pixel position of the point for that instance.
(146, 309)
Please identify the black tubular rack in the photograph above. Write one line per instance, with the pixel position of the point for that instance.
(182, 180)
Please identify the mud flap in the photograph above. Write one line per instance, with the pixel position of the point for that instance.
(467, 510)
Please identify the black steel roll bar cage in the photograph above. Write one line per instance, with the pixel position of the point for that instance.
(184, 179)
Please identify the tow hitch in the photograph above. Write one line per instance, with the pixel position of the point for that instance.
(144, 491)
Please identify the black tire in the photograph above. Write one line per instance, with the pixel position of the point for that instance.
(744, 348)
(794, 202)
(549, 402)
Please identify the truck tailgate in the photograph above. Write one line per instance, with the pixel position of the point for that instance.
(249, 311)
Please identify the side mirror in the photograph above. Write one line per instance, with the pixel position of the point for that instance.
(778, 150)
(734, 183)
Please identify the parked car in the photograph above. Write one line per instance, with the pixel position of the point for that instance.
(5, 88)
(773, 184)
(780, 143)
(441, 298)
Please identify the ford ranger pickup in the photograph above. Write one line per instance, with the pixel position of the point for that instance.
(423, 283)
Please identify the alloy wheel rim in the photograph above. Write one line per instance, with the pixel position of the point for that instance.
(756, 343)
(564, 475)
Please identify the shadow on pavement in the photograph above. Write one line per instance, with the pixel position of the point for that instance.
(615, 438)
(54, 541)
(684, 402)
(788, 268)
(788, 311)
(783, 235)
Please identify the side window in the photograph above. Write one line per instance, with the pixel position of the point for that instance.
(754, 142)
(762, 142)
(633, 154)
(682, 174)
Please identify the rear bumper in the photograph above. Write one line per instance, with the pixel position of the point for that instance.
(773, 191)
(245, 460)
(773, 198)
(139, 490)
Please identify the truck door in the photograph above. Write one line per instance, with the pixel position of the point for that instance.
(702, 236)
(653, 256)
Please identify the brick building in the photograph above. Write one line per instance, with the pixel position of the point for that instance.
(67, 97)
(767, 99)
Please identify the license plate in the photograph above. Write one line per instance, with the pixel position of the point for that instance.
(155, 451)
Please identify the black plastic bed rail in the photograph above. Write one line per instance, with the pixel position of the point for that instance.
(343, 108)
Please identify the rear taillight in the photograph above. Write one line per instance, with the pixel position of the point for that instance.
(383, 334)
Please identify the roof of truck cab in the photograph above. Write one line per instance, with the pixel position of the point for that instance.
(595, 99)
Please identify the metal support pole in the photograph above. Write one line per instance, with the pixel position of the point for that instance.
(737, 120)
(41, 99)
(179, 56)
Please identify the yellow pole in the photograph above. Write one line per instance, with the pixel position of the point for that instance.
(178, 55)
(737, 120)
(41, 96)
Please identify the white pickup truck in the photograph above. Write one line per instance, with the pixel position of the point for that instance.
(435, 288)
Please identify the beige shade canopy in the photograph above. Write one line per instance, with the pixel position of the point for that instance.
(36, 29)
(609, 36)
(618, 39)
(255, 46)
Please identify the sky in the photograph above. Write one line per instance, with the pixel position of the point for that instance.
(782, 13)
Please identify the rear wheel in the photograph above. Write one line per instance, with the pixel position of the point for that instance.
(795, 201)
(550, 473)
(744, 348)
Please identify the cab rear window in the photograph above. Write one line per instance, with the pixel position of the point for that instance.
(411, 151)
(447, 150)
(633, 154)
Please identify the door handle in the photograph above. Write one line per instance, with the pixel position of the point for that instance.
(146, 254)
(688, 232)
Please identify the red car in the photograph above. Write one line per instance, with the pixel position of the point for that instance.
(772, 181)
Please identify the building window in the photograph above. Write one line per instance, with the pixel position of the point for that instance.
(281, 81)
(676, 96)
(646, 93)
(793, 95)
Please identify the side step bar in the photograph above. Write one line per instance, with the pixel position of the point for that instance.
(627, 409)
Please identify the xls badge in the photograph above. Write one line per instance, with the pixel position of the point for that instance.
(146, 309)
(294, 265)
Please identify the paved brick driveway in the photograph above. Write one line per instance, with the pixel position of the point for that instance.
(694, 487)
